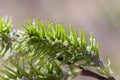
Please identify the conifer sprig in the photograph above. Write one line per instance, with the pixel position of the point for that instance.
(44, 48)
(53, 38)
(5, 41)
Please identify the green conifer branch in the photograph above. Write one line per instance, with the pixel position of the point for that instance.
(40, 50)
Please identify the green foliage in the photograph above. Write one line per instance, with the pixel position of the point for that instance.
(41, 50)
(5, 41)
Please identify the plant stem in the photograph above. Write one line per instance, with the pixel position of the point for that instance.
(86, 72)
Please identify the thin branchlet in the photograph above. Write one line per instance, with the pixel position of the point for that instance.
(43, 48)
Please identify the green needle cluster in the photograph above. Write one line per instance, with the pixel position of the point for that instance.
(42, 49)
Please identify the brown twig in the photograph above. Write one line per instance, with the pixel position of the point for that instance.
(86, 72)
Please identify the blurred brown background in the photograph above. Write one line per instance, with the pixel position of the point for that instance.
(102, 17)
